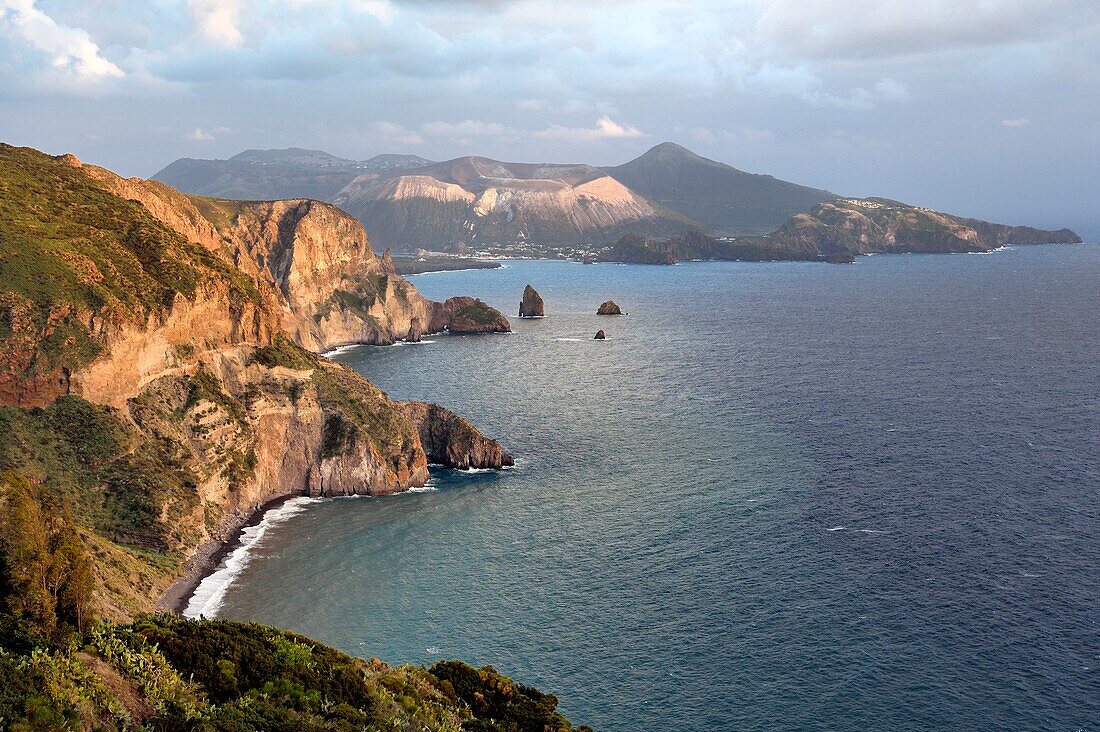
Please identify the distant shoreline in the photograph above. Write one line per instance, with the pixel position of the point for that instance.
(412, 265)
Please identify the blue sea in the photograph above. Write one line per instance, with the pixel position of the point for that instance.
(778, 496)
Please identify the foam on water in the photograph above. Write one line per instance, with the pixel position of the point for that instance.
(333, 352)
(209, 595)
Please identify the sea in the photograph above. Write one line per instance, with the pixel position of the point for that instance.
(778, 496)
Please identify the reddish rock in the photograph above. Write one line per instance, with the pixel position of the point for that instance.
(609, 308)
(416, 331)
(531, 305)
(600, 336)
(451, 441)
(468, 315)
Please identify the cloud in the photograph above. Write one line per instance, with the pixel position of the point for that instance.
(835, 29)
(391, 132)
(216, 21)
(199, 135)
(464, 129)
(884, 91)
(70, 50)
(1017, 122)
(606, 128)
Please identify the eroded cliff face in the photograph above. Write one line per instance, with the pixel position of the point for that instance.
(452, 441)
(196, 323)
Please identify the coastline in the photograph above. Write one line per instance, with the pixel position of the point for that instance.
(206, 559)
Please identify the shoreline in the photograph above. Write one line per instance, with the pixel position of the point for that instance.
(206, 559)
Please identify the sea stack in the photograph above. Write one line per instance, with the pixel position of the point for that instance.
(531, 304)
(609, 308)
(600, 336)
(415, 331)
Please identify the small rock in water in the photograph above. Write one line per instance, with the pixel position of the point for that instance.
(609, 308)
(415, 330)
(531, 304)
(600, 336)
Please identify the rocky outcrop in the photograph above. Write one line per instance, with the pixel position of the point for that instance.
(531, 305)
(416, 331)
(600, 336)
(468, 315)
(451, 441)
(609, 308)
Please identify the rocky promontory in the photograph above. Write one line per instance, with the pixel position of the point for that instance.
(609, 308)
(167, 369)
(637, 249)
(469, 315)
(530, 306)
(451, 441)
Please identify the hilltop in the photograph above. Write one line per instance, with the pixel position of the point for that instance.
(718, 196)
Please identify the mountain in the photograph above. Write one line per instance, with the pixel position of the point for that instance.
(528, 209)
(715, 194)
(476, 202)
(160, 376)
(277, 174)
(837, 231)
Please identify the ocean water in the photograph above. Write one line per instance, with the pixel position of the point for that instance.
(779, 496)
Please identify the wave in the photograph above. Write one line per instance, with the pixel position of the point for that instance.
(341, 349)
(210, 594)
(838, 528)
(567, 340)
(428, 487)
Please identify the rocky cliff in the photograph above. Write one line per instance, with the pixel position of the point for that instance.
(168, 347)
(452, 441)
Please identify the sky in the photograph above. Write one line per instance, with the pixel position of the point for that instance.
(987, 108)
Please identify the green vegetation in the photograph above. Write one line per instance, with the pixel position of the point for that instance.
(370, 289)
(478, 312)
(112, 479)
(45, 572)
(167, 673)
(71, 247)
(354, 407)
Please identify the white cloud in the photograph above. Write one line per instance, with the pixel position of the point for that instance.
(466, 128)
(606, 128)
(199, 135)
(1017, 122)
(834, 29)
(71, 50)
(216, 21)
(391, 132)
(884, 91)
